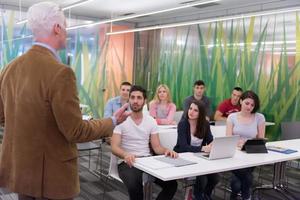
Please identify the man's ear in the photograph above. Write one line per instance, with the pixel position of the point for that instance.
(56, 29)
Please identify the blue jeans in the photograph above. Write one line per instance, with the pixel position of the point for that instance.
(241, 181)
(204, 186)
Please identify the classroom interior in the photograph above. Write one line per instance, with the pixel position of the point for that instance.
(253, 44)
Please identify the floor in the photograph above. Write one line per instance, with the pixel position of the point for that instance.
(97, 188)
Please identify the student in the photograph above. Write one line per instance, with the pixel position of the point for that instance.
(194, 135)
(247, 124)
(161, 107)
(199, 89)
(115, 103)
(131, 139)
(229, 106)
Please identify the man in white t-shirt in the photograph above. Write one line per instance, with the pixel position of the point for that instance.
(132, 139)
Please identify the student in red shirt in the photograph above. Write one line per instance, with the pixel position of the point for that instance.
(229, 106)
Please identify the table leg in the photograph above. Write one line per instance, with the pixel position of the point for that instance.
(278, 183)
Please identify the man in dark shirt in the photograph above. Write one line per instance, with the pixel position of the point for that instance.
(199, 89)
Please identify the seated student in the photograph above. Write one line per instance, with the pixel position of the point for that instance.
(199, 89)
(247, 124)
(194, 135)
(115, 103)
(131, 139)
(229, 106)
(161, 107)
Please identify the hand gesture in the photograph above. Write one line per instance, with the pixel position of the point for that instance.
(121, 114)
(129, 159)
(171, 153)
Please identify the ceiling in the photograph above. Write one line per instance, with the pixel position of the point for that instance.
(105, 9)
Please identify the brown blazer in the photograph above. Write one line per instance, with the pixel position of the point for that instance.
(39, 109)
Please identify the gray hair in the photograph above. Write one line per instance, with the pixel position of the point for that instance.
(43, 16)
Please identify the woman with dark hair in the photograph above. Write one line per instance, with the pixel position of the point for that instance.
(194, 135)
(248, 124)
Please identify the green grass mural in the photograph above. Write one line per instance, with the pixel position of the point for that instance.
(224, 55)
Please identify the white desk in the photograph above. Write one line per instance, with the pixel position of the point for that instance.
(240, 160)
(203, 166)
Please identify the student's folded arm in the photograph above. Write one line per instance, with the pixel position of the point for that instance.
(170, 117)
(219, 116)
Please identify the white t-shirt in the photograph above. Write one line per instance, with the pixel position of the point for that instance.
(135, 139)
(196, 141)
(248, 130)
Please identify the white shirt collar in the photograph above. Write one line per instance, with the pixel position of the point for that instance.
(53, 51)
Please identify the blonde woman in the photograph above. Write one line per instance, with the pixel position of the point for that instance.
(161, 107)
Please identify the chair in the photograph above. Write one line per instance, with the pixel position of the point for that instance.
(114, 174)
(168, 138)
(90, 146)
(290, 130)
(113, 168)
(177, 116)
(218, 131)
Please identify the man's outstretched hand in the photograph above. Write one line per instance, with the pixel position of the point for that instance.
(121, 114)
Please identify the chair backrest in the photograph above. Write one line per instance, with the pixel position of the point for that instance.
(87, 146)
(113, 168)
(177, 116)
(218, 131)
(168, 138)
(290, 130)
(114, 173)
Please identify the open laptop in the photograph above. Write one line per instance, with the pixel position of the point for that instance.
(222, 147)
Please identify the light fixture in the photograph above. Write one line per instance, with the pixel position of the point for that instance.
(141, 15)
(218, 19)
(65, 8)
(22, 21)
(76, 4)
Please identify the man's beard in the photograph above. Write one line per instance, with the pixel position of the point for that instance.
(136, 109)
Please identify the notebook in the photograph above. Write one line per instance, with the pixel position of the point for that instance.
(281, 149)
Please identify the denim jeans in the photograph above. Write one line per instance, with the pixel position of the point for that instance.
(133, 180)
(241, 181)
(204, 186)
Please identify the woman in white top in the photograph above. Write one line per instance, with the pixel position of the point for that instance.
(161, 107)
(248, 124)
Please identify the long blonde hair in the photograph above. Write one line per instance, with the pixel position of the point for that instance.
(156, 97)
